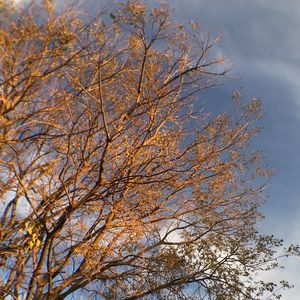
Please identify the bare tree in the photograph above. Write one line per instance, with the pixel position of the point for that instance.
(112, 184)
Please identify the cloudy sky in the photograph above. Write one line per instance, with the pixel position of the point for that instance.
(261, 41)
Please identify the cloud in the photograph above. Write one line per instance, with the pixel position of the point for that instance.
(261, 38)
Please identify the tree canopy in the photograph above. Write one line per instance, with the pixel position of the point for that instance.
(113, 183)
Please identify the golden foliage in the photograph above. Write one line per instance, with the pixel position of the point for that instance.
(109, 177)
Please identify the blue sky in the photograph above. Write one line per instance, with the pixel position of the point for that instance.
(261, 42)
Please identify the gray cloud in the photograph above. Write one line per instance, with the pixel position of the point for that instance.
(261, 39)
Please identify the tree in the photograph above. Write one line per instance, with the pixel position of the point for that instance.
(113, 185)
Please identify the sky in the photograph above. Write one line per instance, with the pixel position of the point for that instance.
(260, 39)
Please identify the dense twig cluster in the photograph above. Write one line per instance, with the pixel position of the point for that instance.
(111, 183)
